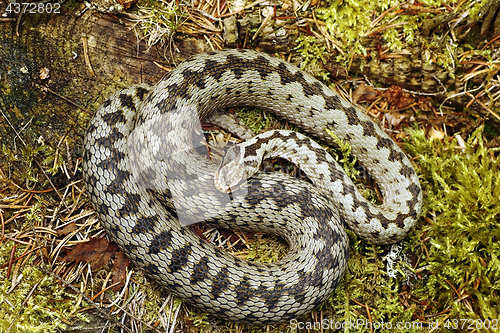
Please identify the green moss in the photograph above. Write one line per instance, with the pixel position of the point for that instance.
(312, 52)
(71, 4)
(459, 267)
(257, 120)
(24, 166)
(342, 154)
(344, 158)
(267, 249)
(351, 19)
(54, 160)
(366, 284)
(37, 303)
(462, 209)
(475, 11)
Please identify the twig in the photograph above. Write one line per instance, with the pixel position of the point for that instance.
(491, 41)
(484, 106)
(458, 94)
(175, 319)
(11, 261)
(86, 56)
(45, 88)
(262, 25)
(385, 28)
(17, 29)
(415, 92)
(258, 2)
(377, 20)
(3, 224)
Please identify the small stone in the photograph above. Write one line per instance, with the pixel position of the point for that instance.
(230, 30)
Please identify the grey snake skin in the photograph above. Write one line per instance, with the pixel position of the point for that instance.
(146, 179)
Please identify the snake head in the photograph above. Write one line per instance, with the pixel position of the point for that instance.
(231, 174)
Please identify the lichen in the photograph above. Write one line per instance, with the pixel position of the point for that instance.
(366, 287)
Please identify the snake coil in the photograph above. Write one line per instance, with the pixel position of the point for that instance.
(140, 205)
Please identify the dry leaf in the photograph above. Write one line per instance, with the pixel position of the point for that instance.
(434, 133)
(96, 252)
(336, 71)
(67, 229)
(120, 270)
(394, 119)
(363, 93)
(424, 103)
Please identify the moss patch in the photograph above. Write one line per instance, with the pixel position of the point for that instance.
(30, 300)
(460, 239)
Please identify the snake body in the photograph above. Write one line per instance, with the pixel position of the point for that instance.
(129, 181)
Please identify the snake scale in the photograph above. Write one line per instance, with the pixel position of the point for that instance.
(143, 180)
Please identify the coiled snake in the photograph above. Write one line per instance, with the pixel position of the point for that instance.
(143, 176)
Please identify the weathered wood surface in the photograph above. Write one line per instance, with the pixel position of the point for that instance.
(89, 56)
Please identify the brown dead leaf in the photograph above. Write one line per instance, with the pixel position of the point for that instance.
(96, 252)
(45, 253)
(424, 103)
(67, 229)
(120, 270)
(394, 119)
(364, 93)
